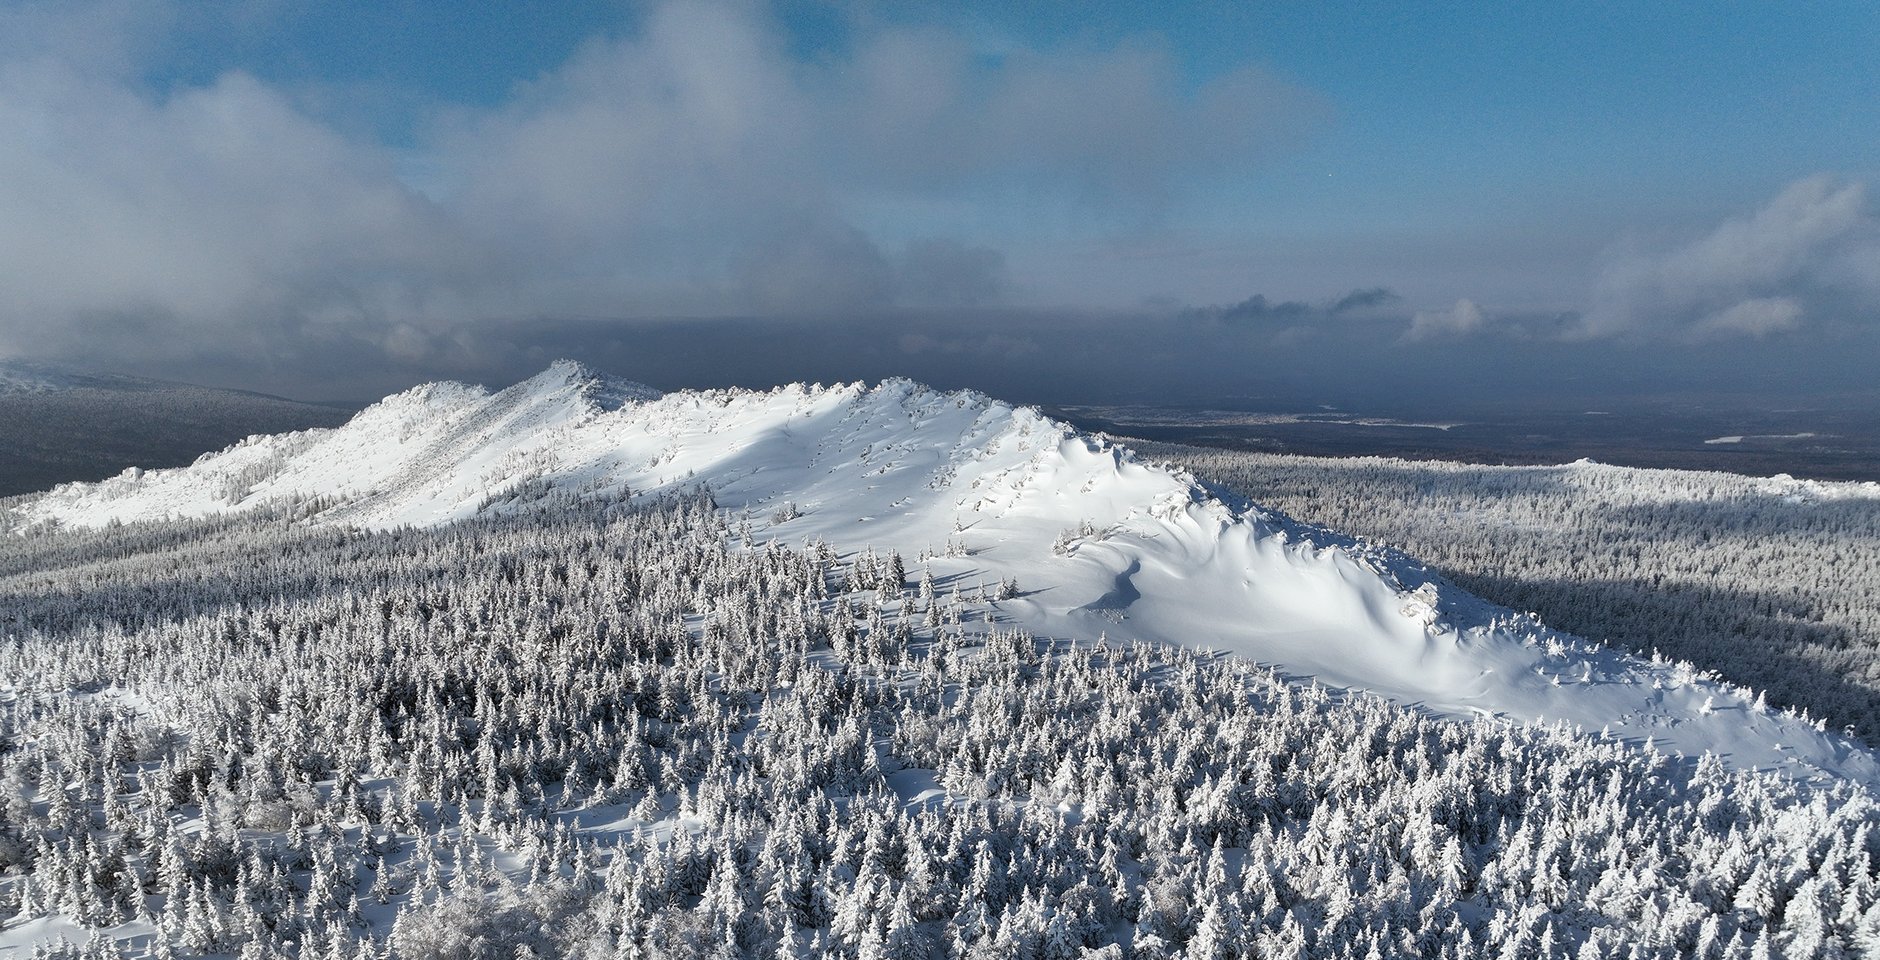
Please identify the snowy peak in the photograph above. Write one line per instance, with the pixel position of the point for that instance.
(565, 386)
(974, 490)
(598, 390)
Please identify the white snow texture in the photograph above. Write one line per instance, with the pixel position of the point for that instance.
(1098, 542)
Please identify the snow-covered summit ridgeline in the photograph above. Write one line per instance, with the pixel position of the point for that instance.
(1098, 542)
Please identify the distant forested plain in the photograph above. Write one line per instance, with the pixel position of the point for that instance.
(88, 434)
(1833, 439)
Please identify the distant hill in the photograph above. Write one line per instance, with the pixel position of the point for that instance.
(59, 424)
(1080, 537)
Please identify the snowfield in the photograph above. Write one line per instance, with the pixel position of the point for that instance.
(1097, 542)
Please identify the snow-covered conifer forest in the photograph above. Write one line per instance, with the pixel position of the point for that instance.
(631, 732)
(576, 670)
(1774, 583)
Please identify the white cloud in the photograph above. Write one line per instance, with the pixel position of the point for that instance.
(1463, 318)
(694, 166)
(219, 208)
(1816, 243)
(924, 104)
(1756, 318)
(107, 36)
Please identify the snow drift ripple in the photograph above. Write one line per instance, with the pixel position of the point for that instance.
(977, 491)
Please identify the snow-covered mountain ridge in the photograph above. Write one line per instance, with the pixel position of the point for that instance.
(977, 491)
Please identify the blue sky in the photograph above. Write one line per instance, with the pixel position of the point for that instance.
(255, 186)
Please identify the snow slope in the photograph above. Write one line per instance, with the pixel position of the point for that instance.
(1098, 542)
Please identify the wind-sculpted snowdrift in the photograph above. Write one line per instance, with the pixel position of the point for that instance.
(977, 492)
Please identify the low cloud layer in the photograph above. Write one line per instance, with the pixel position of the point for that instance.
(911, 199)
(1808, 257)
(693, 167)
(1463, 318)
(1806, 263)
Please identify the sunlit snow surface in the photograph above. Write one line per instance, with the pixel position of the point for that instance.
(991, 492)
